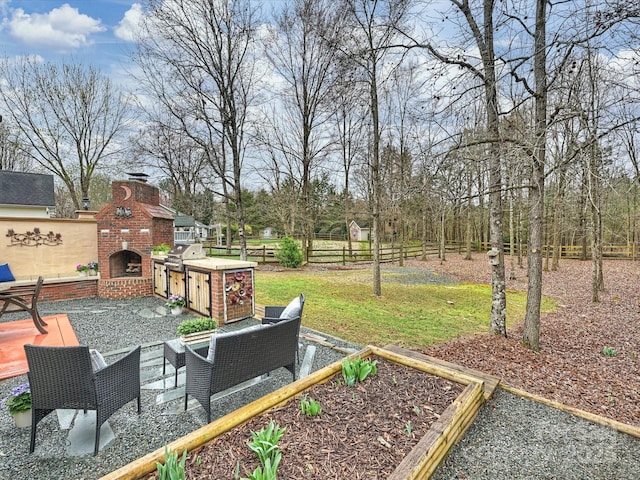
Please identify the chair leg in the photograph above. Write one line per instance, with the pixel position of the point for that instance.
(97, 444)
(139, 410)
(32, 445)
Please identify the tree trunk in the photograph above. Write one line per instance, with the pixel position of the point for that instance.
(512, 257)
(469, 220)
(443, 255)
(531, 333)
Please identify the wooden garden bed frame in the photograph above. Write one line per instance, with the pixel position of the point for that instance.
(421, 462)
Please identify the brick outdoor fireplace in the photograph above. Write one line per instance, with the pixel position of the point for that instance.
(128, 229)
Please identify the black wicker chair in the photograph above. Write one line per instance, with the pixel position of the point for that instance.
(62, 377)
(272, 315)
(240, 356)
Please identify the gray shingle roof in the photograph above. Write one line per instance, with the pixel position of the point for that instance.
(19, 188)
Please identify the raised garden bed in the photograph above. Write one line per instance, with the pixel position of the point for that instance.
(426, 409)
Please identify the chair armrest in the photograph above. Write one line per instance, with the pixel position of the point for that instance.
(121, 375)
(199, 373)
(271, 311)
(196, 360)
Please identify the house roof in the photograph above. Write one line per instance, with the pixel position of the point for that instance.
(181, 220)
(156, 211)
(27, 189)
(361, 224)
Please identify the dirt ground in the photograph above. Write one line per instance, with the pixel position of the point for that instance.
(571, 367)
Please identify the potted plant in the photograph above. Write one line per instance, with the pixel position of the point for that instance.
(176, 303)
(196, 329)
(19, 405)
(93, 268)
(82, 269)
(161, 250)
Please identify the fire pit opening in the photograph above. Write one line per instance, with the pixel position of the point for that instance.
(125, 263)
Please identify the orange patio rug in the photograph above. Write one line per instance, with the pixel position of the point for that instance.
(13, 335)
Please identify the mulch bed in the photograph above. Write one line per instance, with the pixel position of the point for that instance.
(571, 367)
(362, 432)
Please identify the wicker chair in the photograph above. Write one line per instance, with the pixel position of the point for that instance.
(63, 377)
(240, 356)
(272, 315)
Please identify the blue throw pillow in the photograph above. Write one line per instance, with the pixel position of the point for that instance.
(5, 273)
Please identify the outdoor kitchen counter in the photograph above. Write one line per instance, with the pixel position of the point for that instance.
(213, 263)
(219, 288)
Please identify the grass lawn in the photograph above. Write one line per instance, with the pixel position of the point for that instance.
(417, 308)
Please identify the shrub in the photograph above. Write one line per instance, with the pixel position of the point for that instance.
(365, 251)
(289, 254)
(162, 248)
(194, 325)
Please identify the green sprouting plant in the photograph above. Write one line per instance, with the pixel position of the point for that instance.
(310, 407)
(408, 429)
(357, 369)
(268, 470)
(394, 380)
(172, 469)
(264, 443)
(194, 325)
(417, 410)
(289, 254)
(609, 351)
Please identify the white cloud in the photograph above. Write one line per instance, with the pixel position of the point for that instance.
(62, 29)
(129, 27)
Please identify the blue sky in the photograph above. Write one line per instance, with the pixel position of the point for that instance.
(99, 32)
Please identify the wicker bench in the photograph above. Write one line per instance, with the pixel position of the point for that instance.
(240, 356)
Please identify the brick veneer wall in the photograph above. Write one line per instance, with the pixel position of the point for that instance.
(126, 287)
(69, 290)
(217, 296)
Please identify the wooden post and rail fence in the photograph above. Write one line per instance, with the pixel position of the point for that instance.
(362, 252)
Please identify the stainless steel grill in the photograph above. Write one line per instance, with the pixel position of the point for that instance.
(181, 252)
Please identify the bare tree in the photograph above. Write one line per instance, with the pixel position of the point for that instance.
(351, 132)
(68, 116)
(12, 156)
(179, 158)
(302, 50)
(374, 27)
(480, 23)
(198, 58)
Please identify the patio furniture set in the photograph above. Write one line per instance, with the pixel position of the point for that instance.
(79, 378)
